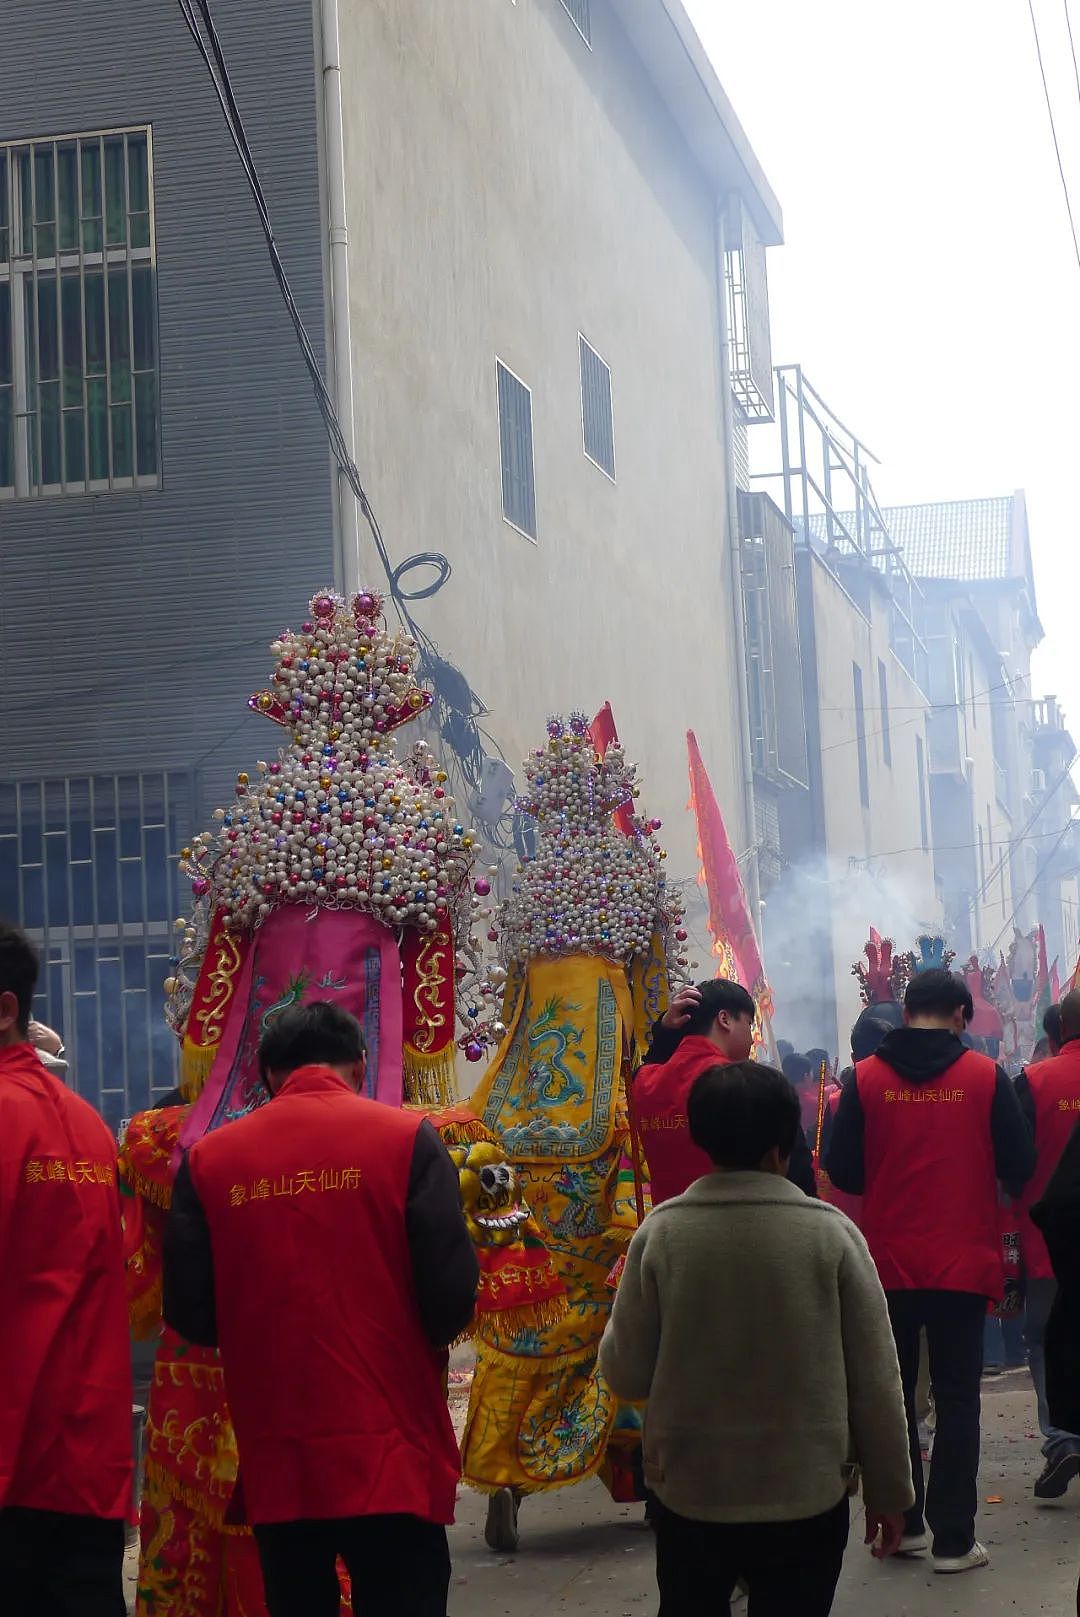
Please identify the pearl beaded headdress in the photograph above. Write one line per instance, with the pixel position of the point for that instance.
(591, 887)
(338, 819)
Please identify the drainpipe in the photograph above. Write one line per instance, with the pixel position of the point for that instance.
(734, 560)
(348, 535)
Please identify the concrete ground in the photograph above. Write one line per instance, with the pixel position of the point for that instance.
(582, 1554)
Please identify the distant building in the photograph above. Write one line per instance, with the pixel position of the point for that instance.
(904, 778)
(838, 674)
(1005, 848)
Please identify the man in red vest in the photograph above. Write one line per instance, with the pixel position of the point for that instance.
(65, 1357)
(709, 1025)
(319, 1241)
(1049, 1092)
(924, 1133)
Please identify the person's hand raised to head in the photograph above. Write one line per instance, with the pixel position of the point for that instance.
(682, 1008)
(43, 1038)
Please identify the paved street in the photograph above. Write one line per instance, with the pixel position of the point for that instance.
(581, 1554)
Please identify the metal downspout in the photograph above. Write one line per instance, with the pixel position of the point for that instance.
(753, 882)
(348, 514)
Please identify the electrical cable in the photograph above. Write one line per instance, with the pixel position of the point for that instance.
(1022, 836)
(1053, 125)
(1028, 891)
(927, 712)
(456, 704)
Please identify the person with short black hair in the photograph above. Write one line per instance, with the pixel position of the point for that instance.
(65, 1369)
(705, 1023)
(752, 1320)
(319, 1241)
(866, 1035)
(925, 1133)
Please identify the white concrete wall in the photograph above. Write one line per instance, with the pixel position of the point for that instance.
(508, 187)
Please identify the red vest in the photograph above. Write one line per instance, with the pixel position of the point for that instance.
(930, 1209)
(659, 1096)
(851, 1205)
(336, 1394)
(1055, 1089)
(65, 1354)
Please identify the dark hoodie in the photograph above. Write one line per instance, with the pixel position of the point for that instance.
(919, 1055)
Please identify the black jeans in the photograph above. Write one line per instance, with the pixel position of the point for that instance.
(54, 1565)
(399, 1565)
(953, 1322)
(791, 1568)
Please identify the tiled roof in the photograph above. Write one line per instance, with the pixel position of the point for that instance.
(963, 539)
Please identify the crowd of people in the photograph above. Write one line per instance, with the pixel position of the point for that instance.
(813, 1251)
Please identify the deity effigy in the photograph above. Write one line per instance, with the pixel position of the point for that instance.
(343, 873)
(589, 939)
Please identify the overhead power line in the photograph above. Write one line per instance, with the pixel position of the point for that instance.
(1053, 125)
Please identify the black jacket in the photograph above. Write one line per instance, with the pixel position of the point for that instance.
(444, 1265)
(918, 1056)
(1057, 1215)
(663, 1043)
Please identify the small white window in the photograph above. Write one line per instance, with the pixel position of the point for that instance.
(597, 424)
(579, 11)
(516, 444)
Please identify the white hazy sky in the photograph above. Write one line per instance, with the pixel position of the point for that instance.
(928, 282)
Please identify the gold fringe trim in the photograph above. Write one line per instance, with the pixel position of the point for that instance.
(430, 1080)
(527, 1316)
(196, 1061)
(567, 1360)
(210, 1512)
(458, 1131)
(160, 1195)
(144, 1313)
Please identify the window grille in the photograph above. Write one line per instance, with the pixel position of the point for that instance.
(516, 442)
(78, 317)
(88, 868)
(597, 424)
(748, 333)
(774, 659)
(578, 11)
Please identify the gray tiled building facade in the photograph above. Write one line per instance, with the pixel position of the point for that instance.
(165, 490)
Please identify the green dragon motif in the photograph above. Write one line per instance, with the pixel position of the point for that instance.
(291, 994)
(550, 1081)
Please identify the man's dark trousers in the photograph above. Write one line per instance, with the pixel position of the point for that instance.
(54, 1565)
(953, 1322)
(791, 1568)
(399, 1566)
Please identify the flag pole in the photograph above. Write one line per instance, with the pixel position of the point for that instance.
(820, 1115)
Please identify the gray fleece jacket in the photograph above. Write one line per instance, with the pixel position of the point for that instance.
(752, 1320)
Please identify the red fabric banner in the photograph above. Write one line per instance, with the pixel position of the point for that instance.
(735, 942)
(604, 735)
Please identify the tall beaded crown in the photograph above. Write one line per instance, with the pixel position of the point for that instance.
(595, 883)
(338, 819)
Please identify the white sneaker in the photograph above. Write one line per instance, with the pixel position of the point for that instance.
(914, 1544)
(977, 1556)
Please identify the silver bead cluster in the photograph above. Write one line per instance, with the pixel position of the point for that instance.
(338, 820)
(591, 886)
